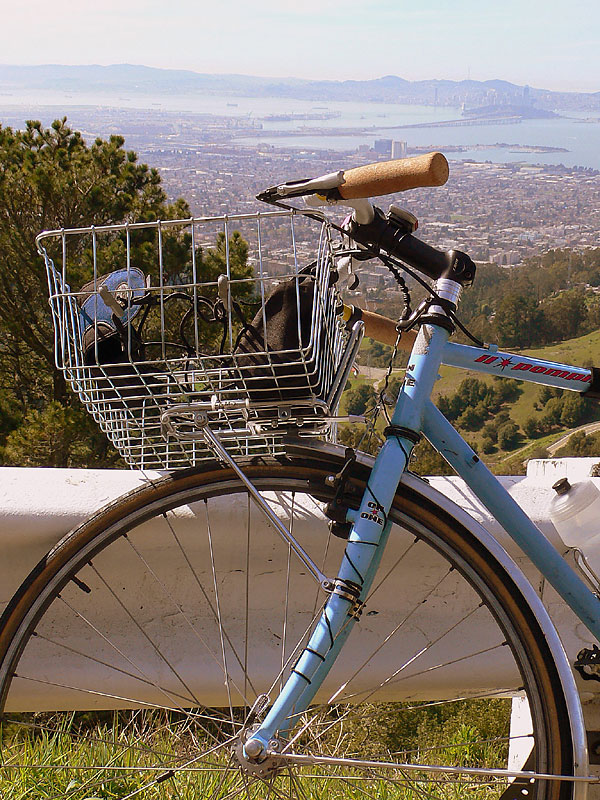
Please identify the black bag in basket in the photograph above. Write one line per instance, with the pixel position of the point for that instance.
(273, 353)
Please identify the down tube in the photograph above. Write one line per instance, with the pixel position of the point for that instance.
(512, 518)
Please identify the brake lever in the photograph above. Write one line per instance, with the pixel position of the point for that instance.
(301, 188)
(363, 211)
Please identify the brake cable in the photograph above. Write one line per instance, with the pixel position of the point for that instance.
(391, 262)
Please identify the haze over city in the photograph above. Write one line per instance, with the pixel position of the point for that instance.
(540, 42)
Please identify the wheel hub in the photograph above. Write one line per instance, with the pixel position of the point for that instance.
(265, 766)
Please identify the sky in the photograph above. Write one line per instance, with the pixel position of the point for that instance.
(548, 44)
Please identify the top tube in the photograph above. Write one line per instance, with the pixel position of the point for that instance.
(491, 361)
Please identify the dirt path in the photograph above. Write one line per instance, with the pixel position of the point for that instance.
(372, 373)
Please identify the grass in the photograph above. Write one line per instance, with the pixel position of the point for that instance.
(578, 352)
(71, 749)
(125, 741)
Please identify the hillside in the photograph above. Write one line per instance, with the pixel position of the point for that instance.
(578, 352)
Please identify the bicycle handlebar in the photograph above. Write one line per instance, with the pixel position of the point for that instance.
(381, 329)
(387, 177)
(371, 180)
(381, 234)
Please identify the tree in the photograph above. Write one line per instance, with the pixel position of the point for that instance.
(553, 411)
(375, 354)
(505, 389)
(487, 445)
(531, 428)
(593, 309)
(449, 405)
(573, 410)
(59, 436)
(360, 398)
(565, 314)
(579, 445)
(490, 431)
(427, 461)
(471, 391)
(546, 392)
(508, 435)
(390, 395)
(357, 437)
(471, 418)
(517, 320)
(51, 179)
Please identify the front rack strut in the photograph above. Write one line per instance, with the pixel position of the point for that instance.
(215, 444)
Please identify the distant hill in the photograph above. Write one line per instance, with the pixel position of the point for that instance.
(509, 110)
(390, 88)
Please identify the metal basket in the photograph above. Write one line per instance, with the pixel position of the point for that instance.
(195, 343)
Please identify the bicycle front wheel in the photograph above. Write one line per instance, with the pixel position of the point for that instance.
(132, 657)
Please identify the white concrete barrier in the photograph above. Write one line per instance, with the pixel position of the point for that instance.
(38, 506)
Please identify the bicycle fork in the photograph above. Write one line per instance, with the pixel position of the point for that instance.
(364, 550)
(361, 559)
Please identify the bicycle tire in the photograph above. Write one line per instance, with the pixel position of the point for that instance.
(185, 658)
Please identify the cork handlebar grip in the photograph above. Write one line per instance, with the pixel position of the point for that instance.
(387, 177)
(381, 328)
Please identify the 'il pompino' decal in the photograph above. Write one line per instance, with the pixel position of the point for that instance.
(538, 369)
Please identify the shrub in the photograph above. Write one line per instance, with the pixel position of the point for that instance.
(553, 410)
(573, 410)
(470, 419)
(490, 431)
(487, 445)
(531, 427)
(508, 435)
(360, 398)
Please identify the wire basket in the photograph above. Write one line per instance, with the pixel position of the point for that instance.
(231, 322)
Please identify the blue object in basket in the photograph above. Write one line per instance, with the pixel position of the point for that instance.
(121, 283)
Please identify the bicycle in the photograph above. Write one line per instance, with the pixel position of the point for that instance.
(157, 604)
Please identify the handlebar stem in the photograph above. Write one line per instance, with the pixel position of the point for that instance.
(363, 213)
(449, 290)
(383, 234)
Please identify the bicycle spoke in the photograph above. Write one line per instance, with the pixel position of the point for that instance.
(203, 592)
(247, 602)
(167, 694)
(218, 609)
(107, 695)
(394, 675)
(208, 600)
(392, 633)
(286, 596)
(139, 627)
(169, 595)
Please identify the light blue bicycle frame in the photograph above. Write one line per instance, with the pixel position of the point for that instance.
(415, 414)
